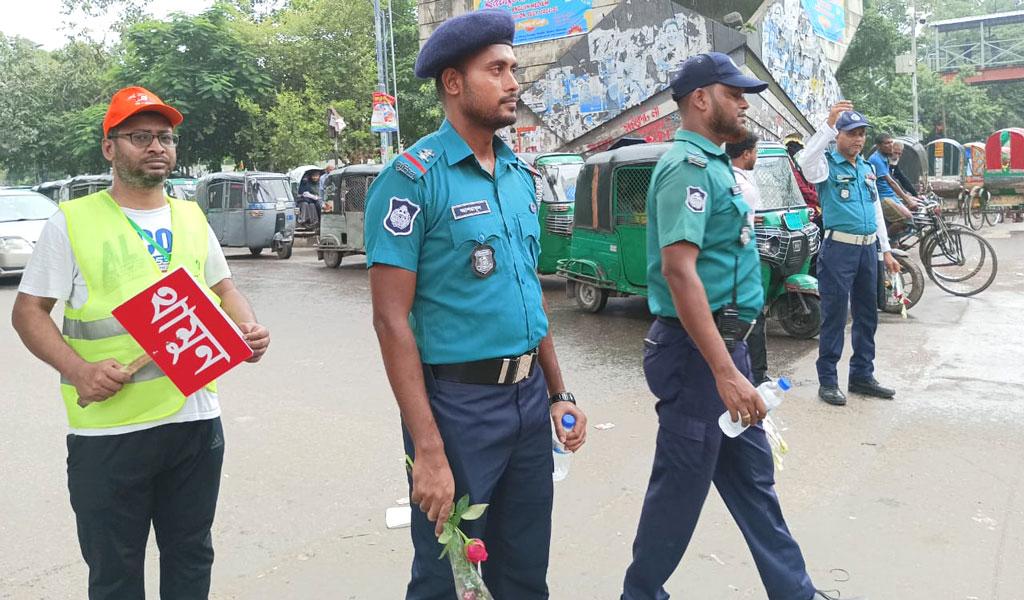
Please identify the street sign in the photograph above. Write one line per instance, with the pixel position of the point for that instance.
(180, 328)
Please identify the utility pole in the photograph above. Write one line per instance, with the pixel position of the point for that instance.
(913, 73)
(378, 24)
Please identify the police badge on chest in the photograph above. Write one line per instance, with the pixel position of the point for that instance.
(481, 260)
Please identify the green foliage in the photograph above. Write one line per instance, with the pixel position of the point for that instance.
(952, 108)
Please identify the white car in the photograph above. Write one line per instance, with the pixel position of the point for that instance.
(22, 216)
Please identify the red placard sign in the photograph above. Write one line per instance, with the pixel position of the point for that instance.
(185, 333)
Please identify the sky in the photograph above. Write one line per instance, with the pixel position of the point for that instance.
(42, 22)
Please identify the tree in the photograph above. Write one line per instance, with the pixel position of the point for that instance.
(203, 65)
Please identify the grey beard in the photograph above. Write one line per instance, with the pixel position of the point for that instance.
(138, 179)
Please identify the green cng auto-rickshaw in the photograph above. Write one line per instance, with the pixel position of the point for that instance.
(786, 241)
(557, 193)
(341, 225)
(608, 251)
(182, 188)
(249, 210)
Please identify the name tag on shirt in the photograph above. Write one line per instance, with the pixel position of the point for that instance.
(470, 209)
(736, 190)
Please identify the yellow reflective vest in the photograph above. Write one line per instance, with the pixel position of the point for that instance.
(116, 265)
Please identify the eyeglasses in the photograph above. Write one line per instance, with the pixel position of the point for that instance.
(142, 139)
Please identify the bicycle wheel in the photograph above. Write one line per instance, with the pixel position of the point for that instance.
(975, 210)
(994, 217)
(960, 262)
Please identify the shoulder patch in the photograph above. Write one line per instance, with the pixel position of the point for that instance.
(696, 198)
(529, 167)
(401, 216)
(697, 160)
(416, 161)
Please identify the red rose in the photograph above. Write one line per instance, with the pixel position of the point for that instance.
(476, 552)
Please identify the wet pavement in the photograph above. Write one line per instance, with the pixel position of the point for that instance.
(920, 497)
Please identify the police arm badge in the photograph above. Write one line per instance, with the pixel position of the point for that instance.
(696, 198)
(401, 216)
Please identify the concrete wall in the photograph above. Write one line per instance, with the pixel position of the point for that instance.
(582, 93)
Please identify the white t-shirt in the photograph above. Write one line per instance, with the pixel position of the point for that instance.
(53, 273)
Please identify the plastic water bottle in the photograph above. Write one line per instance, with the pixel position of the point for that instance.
(771, 392)
(563, 457)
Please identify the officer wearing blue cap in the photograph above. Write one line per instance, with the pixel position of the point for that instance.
(452, 241)
(848, 259)
(705, 290)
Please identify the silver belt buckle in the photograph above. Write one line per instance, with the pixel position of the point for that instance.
(523, 367)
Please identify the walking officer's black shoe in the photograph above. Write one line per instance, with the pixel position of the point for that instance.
(871, 387)
(832, 394)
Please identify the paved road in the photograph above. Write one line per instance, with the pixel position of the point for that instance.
(921, 497)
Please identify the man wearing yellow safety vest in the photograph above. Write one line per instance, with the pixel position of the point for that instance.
(139, 452)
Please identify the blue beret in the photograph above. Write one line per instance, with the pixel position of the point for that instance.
(461, 36)
(851, 119)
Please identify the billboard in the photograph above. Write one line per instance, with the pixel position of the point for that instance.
(539, 20)
(828, 18)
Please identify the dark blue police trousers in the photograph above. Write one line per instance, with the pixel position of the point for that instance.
(691, 453)
(847, 276)
(498, 442)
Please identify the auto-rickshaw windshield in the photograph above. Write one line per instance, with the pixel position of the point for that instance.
(777, 184)
(562, 179)
(185, 191)
(272, 191)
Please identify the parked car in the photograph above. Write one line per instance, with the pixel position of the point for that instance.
(22, 216)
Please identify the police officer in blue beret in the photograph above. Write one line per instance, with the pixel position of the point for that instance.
(848, 259)
(704, 287)
(452, 241)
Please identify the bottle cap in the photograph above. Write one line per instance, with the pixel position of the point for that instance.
(568, 421)
(784, 384)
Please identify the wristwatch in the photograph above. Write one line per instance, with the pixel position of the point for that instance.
(562, 397)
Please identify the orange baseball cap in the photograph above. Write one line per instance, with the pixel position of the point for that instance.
(133, 100)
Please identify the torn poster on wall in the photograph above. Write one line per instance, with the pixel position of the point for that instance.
(632, 55)
(540, 20)
(791, 52)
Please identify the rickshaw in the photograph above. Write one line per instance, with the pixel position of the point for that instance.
(557, 193)
(974, 166)
(608, 250)
(307, 216)
(83, 185)
(946, 168)
(786, 241)
(249, 209)
(341, 224)
(50, 189)
(1003, 189)
(182, 188)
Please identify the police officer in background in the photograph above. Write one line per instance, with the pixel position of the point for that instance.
(705, 289)
(854, 230)
(452, 241)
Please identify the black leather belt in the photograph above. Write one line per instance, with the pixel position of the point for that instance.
(743, 333)
(492, 371)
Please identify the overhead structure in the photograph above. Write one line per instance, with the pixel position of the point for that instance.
(990, 45)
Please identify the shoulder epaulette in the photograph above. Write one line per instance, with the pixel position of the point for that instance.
(417, 160)
(697, 160)
(533, 170)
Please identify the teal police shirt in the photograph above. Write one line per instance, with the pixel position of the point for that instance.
(473, 241)
(693, 197)
(848, 195)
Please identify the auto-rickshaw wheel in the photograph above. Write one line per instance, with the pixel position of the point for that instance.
(590, 297)
(255, 251)
(332, 258)
(790, 312)
(284, 251)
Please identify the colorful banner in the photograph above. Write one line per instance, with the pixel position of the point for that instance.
(188, 336)
(828, 18)
(539, 20)
(384, 119)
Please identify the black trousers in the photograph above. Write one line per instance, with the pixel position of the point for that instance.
(168, 476)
